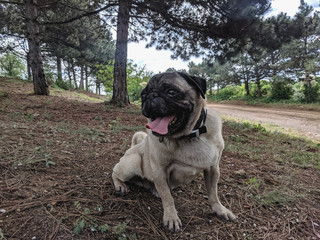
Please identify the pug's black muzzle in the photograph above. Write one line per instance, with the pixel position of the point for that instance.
(155, 106)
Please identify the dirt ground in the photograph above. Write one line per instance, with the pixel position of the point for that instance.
(56, 157)
(302, 121)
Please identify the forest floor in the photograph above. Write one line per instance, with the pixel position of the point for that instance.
(56, 158)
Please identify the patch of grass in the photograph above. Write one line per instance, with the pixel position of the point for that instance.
(132, 111)
(3, 94)
(16, 115)
(116, 126)
(87, 220)
(47, 115)
(40, 154)
(92, 134)
(255, 142)
(278, 197)
(22, 116)
(98, 118)
(65, 127)
(86, 97)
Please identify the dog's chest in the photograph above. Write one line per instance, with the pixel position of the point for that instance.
(194, 153)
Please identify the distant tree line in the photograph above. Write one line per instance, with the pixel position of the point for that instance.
(288, 54)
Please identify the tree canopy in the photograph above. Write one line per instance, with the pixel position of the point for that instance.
(77, 36)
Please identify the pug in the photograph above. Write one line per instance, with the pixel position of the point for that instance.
(182, 140)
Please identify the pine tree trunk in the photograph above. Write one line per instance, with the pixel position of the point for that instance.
(81, 86)
(86, 77)
(39, 81)
(74, 75)
(29, 66)
(69, 75)
(59, 68)
(120, 94)
(246, 85)
(259, 87)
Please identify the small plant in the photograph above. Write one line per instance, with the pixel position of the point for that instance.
(64, 127)
(115, 125)
(255, 127)
(15, 115)
(47, 115)
(3, 94)
(2, 237)
(99, 118)
(252, 183)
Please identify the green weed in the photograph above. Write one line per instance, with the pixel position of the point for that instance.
(65, 127)
(253, 183)
(92, 134)
(115, 125)
(86, 220)
(98, 118)
(3, 95)
(16, 115)
(2, 237)
(47, 115)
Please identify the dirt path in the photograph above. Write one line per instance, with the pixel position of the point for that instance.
(306, 122)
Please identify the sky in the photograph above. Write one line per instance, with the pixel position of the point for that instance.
(159, 61)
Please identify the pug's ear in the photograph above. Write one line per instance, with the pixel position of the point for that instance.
(199, 83)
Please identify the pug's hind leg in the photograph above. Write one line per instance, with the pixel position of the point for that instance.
(128, 167)
(211, 177)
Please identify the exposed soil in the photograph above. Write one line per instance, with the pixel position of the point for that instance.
(56, 157)
(302, 121)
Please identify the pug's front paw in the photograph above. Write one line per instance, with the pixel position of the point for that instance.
(120, 187)
(171, 221)
(223, 212)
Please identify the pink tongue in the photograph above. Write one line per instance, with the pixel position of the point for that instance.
(160, 124)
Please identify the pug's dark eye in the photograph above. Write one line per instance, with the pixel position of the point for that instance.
(171, 93)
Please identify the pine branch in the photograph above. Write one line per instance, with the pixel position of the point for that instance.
(12, 2)
(86, 14)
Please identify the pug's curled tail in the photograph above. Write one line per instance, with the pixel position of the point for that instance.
(137, 138)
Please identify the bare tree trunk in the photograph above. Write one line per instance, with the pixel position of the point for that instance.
(120, 93)
(29, 66)
(259, 87)
(74, 75)
(246, 86)
(59, 68)
(81, 85)
(39, 81)
(69, 75)
(86, 77)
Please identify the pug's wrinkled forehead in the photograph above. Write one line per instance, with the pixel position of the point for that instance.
(178, 79)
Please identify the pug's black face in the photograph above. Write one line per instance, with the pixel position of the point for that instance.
(168, 101)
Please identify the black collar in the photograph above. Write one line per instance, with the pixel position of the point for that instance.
(199, 128)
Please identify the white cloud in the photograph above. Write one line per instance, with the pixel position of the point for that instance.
(155, 60)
